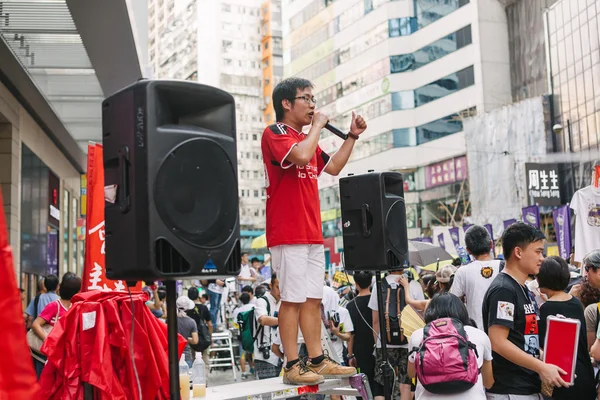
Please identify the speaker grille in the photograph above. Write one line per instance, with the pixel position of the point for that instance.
(195, 193)
(168, 260)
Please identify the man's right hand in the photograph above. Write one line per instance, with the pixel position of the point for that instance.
(319, 119)
(552, 374)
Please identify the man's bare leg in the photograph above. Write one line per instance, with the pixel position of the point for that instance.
(310, 323)
(288, 328)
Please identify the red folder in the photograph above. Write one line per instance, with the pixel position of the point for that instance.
(561, 343)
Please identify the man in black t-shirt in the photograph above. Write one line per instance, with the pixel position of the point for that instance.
(510, 319)
(360, 346)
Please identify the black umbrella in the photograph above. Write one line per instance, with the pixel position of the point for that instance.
(422, 253)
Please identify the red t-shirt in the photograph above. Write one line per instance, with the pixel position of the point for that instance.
(293, 211)
(49, 312)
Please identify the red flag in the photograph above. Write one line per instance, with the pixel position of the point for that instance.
(94, 277)
(17, 376)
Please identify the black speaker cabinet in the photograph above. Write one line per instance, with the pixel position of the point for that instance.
(374, 222)
(170, 149)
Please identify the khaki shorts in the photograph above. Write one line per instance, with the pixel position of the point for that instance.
(300, 269)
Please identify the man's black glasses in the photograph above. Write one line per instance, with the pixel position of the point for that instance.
(307, 99)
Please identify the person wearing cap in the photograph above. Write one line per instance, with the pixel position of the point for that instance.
(186, 326)
(444, 278)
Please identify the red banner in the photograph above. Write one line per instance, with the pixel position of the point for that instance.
(17, 376)
(94, 277)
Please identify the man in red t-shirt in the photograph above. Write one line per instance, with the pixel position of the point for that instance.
(293, 162)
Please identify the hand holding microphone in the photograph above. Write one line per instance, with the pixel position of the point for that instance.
(357, 126)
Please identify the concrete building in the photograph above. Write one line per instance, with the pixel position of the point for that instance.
(59, 59)
(414, 69)
(224, 38)
(272, 58)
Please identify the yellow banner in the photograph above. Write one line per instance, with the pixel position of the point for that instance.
(330, 215)
(83, 192)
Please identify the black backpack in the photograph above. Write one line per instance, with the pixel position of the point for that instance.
(204, 338)
(394, 303)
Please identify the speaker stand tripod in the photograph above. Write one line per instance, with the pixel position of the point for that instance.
(173, 339)
(385, 367)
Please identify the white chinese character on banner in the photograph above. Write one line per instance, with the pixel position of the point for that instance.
(534, 179)
(100, 229)
(544, 179)
(553, 180)
(96, 274)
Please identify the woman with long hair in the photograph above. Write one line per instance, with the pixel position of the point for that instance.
(447, 305)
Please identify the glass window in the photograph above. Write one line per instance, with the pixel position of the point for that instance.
(74, 216)
(431, 52)
(66, 228)
(402, 26)
(440, 128)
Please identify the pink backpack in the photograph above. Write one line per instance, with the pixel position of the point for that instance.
(446, 362)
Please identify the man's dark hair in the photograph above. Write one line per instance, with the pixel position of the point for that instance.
(68, 275)
(244, 254)
(70, 287)
(554, 274)
(254, 259)
(287, 90)
(248, 289)
(446, 305)
(245, 298)
(51, 283)
(205, 296)
(193, 293)
(261, 290)
(478, 240)
(519, 235)
(363, 279)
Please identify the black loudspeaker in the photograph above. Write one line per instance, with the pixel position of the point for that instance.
(374, 222)
(170, 149)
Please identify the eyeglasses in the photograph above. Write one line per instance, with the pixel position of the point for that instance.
(307, 99)
(588, 267)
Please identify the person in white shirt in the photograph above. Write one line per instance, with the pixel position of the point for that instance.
(250, 292)
(267, 364)
(333, 313)
(247, 275)
(446, 305)
(397, 355)
(586, 205)
(471, 281)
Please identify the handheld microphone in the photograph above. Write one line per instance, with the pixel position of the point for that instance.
(336, 131)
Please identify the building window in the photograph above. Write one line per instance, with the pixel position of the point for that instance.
(431, 52)
(226, 45)
(254, 137)
(255, 174)
(256, 193)
(402, 26)
(243, 191)
(256, 212)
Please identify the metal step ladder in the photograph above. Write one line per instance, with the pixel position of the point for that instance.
(227, 346)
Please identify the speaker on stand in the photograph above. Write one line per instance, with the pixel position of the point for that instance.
(170, 152)
(375, 236)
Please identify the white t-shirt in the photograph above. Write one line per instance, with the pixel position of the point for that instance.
(586, 204)
(213, 287)
(484, 351)
(260, 309)
(246, 272)
(472, 281)
(415, 290)
(346, 325)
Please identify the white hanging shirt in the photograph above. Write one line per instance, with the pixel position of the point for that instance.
(586, 205)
